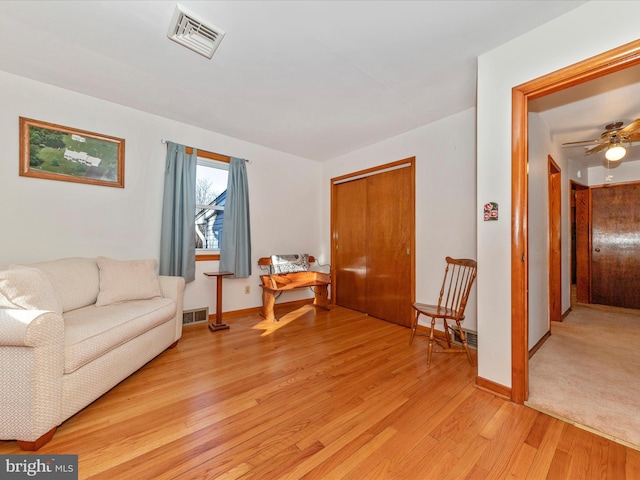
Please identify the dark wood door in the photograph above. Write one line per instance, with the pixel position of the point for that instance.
(582, 244)
(615, 245)
(350, 235)
(373, 232)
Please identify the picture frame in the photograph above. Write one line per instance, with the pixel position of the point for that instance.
(56, 152)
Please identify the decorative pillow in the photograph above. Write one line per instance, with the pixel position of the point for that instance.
(297, 262)
(27, 288)
(121, 281)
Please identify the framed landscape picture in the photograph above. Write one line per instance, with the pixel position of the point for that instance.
(62, 153)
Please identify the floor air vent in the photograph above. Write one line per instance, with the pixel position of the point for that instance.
(194, 34)
(197, 315)
(472, 339)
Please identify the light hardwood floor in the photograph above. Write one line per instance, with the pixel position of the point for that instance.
(321, 395)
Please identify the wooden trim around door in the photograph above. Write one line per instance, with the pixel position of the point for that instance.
(608, 62)
(554, 195)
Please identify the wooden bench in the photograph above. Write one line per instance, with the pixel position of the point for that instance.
(280, 282)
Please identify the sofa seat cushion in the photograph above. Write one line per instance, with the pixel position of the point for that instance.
(92, 331)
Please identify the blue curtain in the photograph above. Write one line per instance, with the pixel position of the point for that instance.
(235, 249)
(177, 237)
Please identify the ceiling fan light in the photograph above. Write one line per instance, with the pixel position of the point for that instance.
(615, 152)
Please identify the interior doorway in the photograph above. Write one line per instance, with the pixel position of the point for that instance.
(595, 67)
(373, 240)
(605, 244)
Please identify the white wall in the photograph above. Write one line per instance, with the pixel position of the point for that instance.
(573, 37)
(45, 219)
(578, 173)
(625, 171)
(445, 196)
(540, 147)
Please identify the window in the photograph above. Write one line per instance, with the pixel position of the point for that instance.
(211, 192)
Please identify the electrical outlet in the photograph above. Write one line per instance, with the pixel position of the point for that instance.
(247, 289)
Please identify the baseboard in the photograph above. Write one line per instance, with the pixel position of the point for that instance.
(494, 388)
(248, 311)
(226, 315)
(539, 344)
(425, 331)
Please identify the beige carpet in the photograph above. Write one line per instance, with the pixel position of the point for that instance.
(588, 372)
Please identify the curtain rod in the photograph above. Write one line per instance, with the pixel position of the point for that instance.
(210, 153)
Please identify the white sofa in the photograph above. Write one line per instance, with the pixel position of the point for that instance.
(70, 330)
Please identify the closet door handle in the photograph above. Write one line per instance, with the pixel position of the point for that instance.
(597, 249)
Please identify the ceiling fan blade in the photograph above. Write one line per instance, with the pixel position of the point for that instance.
(631, 128)
(583, 142)
(596, 149)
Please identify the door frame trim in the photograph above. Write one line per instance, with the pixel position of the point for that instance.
(554, 196)
(595, 67)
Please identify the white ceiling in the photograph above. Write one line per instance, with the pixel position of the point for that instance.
(312, 78)
(582, 112)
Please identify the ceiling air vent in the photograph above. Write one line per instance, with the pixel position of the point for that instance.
(194, 34)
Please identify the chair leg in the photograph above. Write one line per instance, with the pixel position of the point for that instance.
(447, 329)
(413, 328)
(463, 338)
(431, 336)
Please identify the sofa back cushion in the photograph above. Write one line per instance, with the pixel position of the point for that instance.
(27, 288)
(75, 280)
(124, 280)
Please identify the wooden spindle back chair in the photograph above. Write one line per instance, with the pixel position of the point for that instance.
(459, 276)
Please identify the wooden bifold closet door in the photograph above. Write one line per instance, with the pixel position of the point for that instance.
(373, 236)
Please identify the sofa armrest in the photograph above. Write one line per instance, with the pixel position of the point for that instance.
(173, 287)
(32, 359)
(30, 328)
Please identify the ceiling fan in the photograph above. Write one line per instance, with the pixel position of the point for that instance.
(611, 140)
